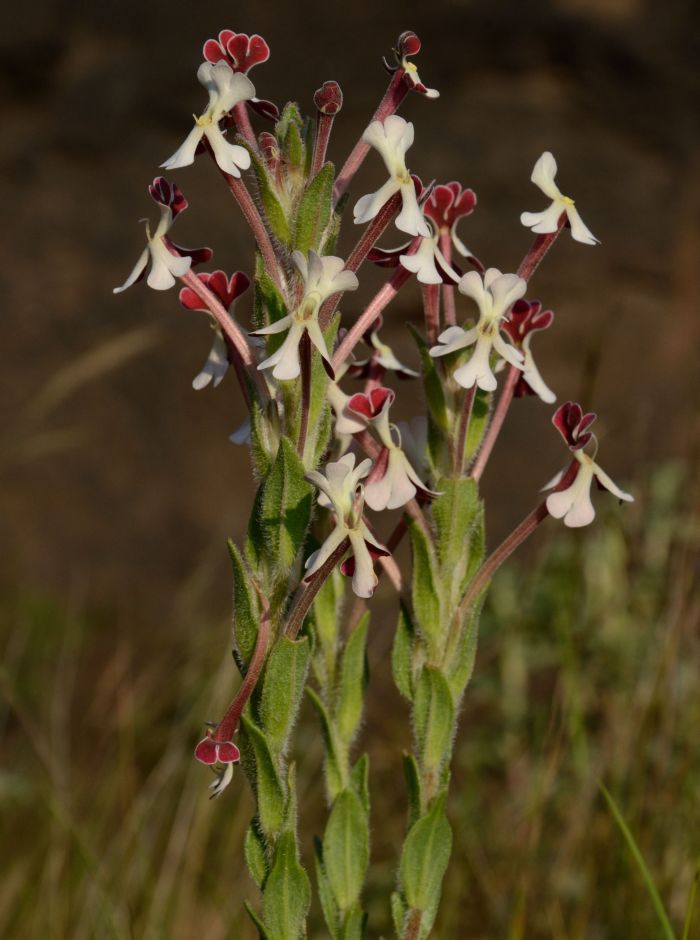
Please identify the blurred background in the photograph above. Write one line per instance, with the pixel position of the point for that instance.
(118, 487)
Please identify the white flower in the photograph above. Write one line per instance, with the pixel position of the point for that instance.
(396, 482)
(573, 504)
(216, 365)
(226, 89)
(345, 421)
(531, 374)
(424, 262)
(341, 491)
(494, 297)
(392, 138)
(165, 266)
(548, 221)
(322, 278)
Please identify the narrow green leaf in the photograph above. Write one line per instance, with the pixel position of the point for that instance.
(352, 682)
(433, 383)
(271, 798)
(262, 930)
(325, 895)
(456, 512)
(424, 858)
(460, 665)
(314, 210)
(245, 606)
(402, 654)
(652, 890)
(333, 765)
(255, 858)
(354, 926)
(283, 511)
(263, 441)
(282, 688)
(359, 781)
(433, 712)
(287, 893)
(268, 306)
(690, 906)
(425, 590)
(346, 849)
(478, 424)
(413, 785)
(272, 207)
(398, 914)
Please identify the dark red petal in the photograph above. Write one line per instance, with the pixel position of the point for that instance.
(329, 98)
(227, 752)
(464, 205)
(361, 405)
(386, 257)
(212, 51)
(348, 567)
(225, 35)
(408, 43)
(206, 751)
(381, 398)
(265, 109)
(190, 300)
(561, 419)
(198, 255)
(376, 552)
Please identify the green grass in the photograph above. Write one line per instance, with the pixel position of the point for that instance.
(587, 674)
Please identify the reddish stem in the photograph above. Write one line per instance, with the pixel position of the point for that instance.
(538, 250)
(394, 95)
(243, 125)
(306, 598)
(381, 299)
(226, 728)
(448, 290)
(497, 419)
(324, 125)
(431, 307)
(305, 360)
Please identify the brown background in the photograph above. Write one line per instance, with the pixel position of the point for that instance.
(118, 484)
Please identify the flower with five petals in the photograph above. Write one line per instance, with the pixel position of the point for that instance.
(547, 221)
(573, 503)
(494, 295)
(342, 492)
(226, 89)
(168, 260)
(392, 138)
(322, 277)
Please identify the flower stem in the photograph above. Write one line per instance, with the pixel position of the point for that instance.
(431, 307)
(448, 290)
(324, 124)
(305, 360)
(243, 125)
(394, 95)
(538, 250)
(381, 299)
(462, 431)
(496, 422)
(367, 241)
(305, 597)
(226, 728)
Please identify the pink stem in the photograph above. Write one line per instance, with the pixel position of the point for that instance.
(324, 125)
(431, 306)
(381, 299)
(367, 241)
(305, 357)
(496, 423)
(448, 290)
(538, 250)
(243, 125)
(226, 728)
(394, 95)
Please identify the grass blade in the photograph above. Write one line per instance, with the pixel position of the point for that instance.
(692, 897)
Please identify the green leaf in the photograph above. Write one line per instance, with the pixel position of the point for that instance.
(272, 208)
(287, 894)
(359, 781)
(434, 717)
(478, 423)
(326, 613)
(262, 930)
(268, 306)
(263, 441)
(282, 688)
(333, 766)
(433, 384)
(314, 210)
(652, 890)
(255, 858)
(346, 849)
(245, 607)
(402, 654)
(425, 589)
(456, 513)
(352, 682)
(271, 797)
(283, 511)
(413, 785)
(398, 914)
(424, 858)
(354, 926)
(460, 664)
(325, 895)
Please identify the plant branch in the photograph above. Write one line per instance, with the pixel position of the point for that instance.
(431, 307)
(463, 430)
(305, 359)
(448, 290)
(538, 250)
(496, 423)
(305, 597)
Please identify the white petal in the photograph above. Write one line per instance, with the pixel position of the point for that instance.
(506, 351)
(316, 337)
(555, 481)
(459, 244)
(346, 280)
(455, 342)
(378, 492)
(367, 207)
(410, 219)
(478, 369)
(574, 503)
(165, 267)
(610, 486)
(184, 155)
(277, 327)
(221, 782)
(505, 290)
(579, 231)
(136, 273)
(532, 376)
(402, 489)
(422, 263)
(543, 223)
(231, 158)
(317, 558)
(215, 367)
(543, 175)
(364, 580)
(472, 286)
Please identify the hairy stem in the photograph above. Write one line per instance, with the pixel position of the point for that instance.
(243, 125)
(431, 308)
(305, 597)
(462, 431)
(496, 423)
(324, 125)
(305, 361)
(448, 290)
(538, 250)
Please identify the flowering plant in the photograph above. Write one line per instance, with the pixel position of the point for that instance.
(329, 462)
